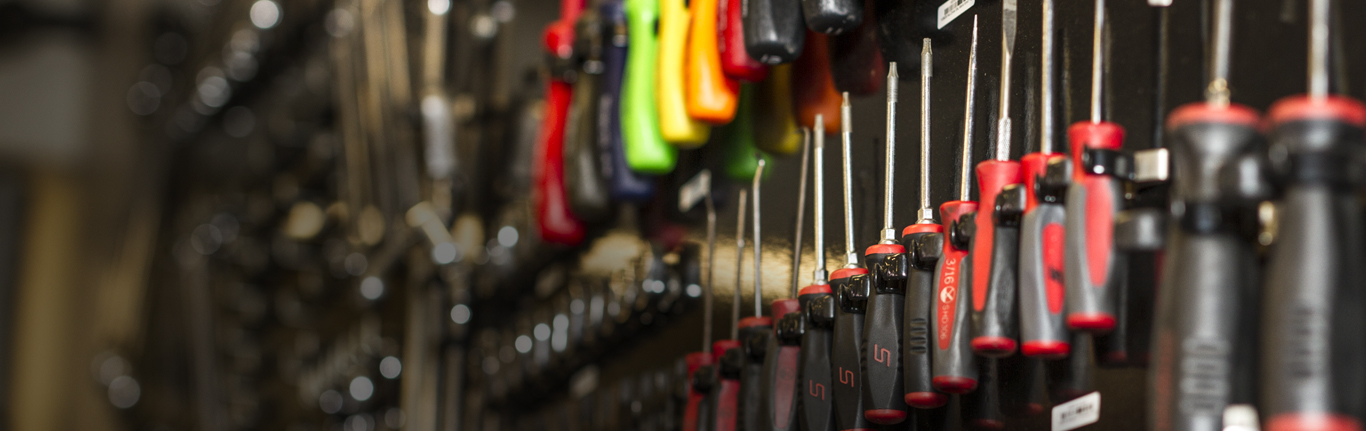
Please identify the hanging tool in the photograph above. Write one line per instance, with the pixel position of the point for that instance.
(585, 184)
(856, 62)
(818, 315)
(1042, 330)
(813, 89)
(923, 242)
(982, 407)
(555, 221)
(675, 124)
(779, 384)
(735, 62)
(1072, 377)
(995, 241)
(1210, 275)
(774, 30)
(1023, 390)
(711, 96)
(754, 333)
(742, 156)
(626, 183)
(954, 365)
(1093, 199)
(641, 128)
(882, 380)
(697, 409)
(832, 16)
(850, 284)
(727, 354)
(1312, 342)
(775, 128)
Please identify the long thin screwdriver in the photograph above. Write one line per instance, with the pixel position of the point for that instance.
(882, 325)
(818, 313)
(954, 365)
(851, 295)
(695, 410)
(779, 382)
(727, 356)
(1312, 344)
(995, 242)
(754, 330)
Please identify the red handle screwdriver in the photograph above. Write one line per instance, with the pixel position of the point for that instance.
(555, 221)
(779, 386)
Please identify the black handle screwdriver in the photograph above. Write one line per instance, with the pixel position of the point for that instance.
(882, 380)
(1042, 330)
(780, 388)
(1311, 376)
(774, 30)
(851, 286)
(1211, 265)
(954, 365)
(817, 410)
(727, 355)
(832, 16)
(1093, 199)
(923, 243)
(754, 331)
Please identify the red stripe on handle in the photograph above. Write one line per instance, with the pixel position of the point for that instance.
(992, 176)
(735, 61)
(554, 220)
(950, 277)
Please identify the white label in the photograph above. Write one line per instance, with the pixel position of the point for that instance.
(951, 9)
(1077, 413)
(1159, 3)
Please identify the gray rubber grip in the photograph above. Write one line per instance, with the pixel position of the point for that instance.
(1041, 323)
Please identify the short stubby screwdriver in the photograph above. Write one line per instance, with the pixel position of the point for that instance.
(923, 242)
(1312, 342)
(779, 383)
(995, 241)
(882, 380)
(851, 284)
(954, 365)
(1093, 199)
(817, 409)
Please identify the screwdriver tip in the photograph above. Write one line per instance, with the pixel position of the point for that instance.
(845, 101)
(891, 70)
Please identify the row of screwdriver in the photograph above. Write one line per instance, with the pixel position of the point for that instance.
(1040, 258)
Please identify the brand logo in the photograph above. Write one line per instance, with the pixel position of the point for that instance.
(882, 356)
(948, 297)
(812, 388)
(846, 376)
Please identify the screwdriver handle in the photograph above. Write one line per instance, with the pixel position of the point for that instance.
(856, 62)
(694, 408)
(812, 86)
(1071, 377)
(1043, 331)
(712, 96)
(954, 365)
(995, 250)
(585, 171)
(780, 389)
(775, 127)
(643, 147)
(774, 30)
(675, 125)
(982, 407)
(924, 245)
(625, 183)
(883, 383)
(725, 394)
(742, 152)
(755, 333)
(832, 16)
(1022, 385)
(817, 409)
(735, 62)
(554, 221)
(1093, 199)
(1312, 342)
(851, 287)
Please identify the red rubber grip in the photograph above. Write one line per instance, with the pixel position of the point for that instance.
(815, 289)
(753, 321)
(884, 249)
(847, 272)
(1034, 166)
(992, 176)
(555, 222)
(1312, 422)
(955, 385)
(922, 228)
(1329, 107)
(885, 416)
(1103, 135)
(694, 360)
(735, 61)
(926, 400)
(1201, 112)
(720, 347)
(1046, 349)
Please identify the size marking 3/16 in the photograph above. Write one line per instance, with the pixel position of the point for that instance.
(1077, 413)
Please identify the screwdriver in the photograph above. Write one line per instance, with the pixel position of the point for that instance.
(695, 412)
(625, 183)
(726, 354)
(641, 132)
(856, 62)
(1312, 342)
(754, 332)
(813, 89)
(711, 96)
(1042, 329)
(735, 62)
(995, 242)
(954, 365)
(585, 184)
(774, 30)
(832, 16)
(923, 242)
(779, 389)
(775, 127)
(850, 284)
(818, 314)
(1211, 265)
(1093, 199)
(741, 154)
(982, 407)
(555, 222)
(675, 124)
(882, 380)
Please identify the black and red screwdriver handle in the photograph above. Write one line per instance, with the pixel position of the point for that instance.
(924, 244)
(725, 393)
(982, 407)
(774, 30)
(1043, 331)
(780, 383)
(995, 256)
(1311, 372)
(1093, 199)
(755, 333)
(555, 222)
(954, 364)
(817, 409)
(695, 412)
(1211, 273)
(851, 287)
(883, 383)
